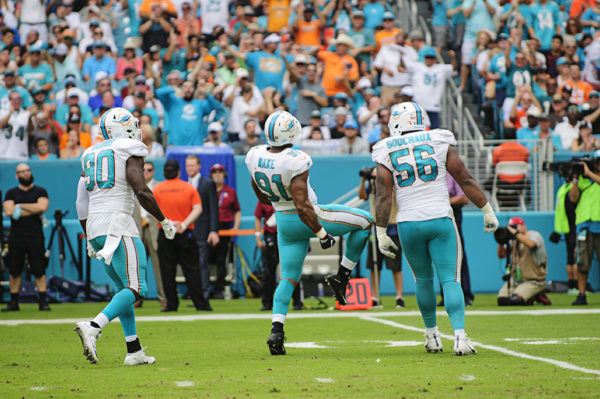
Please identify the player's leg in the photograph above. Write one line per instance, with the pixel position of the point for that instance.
(414, 237)
(446, 253)
(339, 220)
(292, 254)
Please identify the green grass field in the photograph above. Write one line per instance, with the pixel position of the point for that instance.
(376, 353)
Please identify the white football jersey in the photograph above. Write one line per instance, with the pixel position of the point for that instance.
(104, 169)
(418, 163)
(273, 174)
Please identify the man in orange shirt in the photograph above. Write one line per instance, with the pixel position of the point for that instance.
(308, 30)
(181, 201)
(580, 90)
(340, 68)
(389, 31)
(278, 13)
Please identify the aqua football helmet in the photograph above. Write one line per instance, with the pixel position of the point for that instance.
(282, 128)
(119, 123)
(406, 117)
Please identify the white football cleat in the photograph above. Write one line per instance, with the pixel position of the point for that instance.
(463, 346)
(139, 357)
(88, 336)
(433, 343)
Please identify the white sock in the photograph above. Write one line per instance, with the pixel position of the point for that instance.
(279, 318)
(432, 330)
(347, 263)
(460, 333)
(101, 320)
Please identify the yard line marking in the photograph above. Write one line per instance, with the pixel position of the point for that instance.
(184, 383)
(505, 351)
(306, 345)
(309, 315)
(324, 379)
(466, 377)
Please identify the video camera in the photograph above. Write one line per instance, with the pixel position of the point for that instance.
(366, 172)
(503, 236)
(568, 169)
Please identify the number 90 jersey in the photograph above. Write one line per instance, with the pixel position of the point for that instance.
(418, 162)
(273, 174)
(105, 169)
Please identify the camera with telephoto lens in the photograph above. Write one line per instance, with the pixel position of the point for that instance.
(568, 169)
(366, 172)
(503, 236)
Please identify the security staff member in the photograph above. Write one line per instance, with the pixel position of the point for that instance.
(586, 190)
(24, 204)
(181, 203)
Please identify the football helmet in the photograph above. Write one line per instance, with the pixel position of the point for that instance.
(282, 128)
(119, 123)
(406, 117)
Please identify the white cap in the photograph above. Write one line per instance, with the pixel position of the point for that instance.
(534, 111)
(215, 127)
(73, 91)
(340, 111)
(272, 38)
(241, 73)
(302, 58)
(364, 83)
(100, 75)
(407, 91)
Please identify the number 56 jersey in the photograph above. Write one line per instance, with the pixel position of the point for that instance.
(105, 172)
(273, 174)
(418, 164)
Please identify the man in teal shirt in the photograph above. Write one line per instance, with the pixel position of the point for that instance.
(37, 73)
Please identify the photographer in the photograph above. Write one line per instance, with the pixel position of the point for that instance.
(395, 265)
(528, 264)
(586, 190)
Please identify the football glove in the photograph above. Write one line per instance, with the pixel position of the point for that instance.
(385, 243)
(168, 228)
(326, 239)
(90, 250)
(490, 222)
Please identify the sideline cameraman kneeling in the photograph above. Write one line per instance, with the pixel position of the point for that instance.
(528, 272)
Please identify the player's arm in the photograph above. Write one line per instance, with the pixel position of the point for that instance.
(262, 198)
(384, 195)
(135, 178)
(459, 172)
(82, 203)
(306, 212)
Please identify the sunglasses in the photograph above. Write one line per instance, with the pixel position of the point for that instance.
(148, 170)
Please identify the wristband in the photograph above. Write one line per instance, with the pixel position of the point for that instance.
(322, 234)
(487, 208)
(17, 212)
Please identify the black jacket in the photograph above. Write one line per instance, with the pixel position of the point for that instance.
(208, 221)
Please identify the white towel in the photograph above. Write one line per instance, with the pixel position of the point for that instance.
(118, 224)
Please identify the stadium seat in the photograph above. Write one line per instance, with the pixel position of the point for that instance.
(511, 168)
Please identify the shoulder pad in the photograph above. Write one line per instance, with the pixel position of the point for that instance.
(297, 162)
(443, 135)
(131, 147)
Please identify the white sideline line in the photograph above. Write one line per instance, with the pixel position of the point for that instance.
(505, 351)
(309, 315)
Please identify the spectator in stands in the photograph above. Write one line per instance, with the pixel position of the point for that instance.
(215, 13)
(83, 138)
(568, 130)
(10, 85)
(546, 133)
(352, 143)
(479, 15)
(523, 102)
(367, 115)
(72, 146)
(529, 255)
(103, 85)
(24, 205)
(72, 99)
(558, 110)
(585, 142)
(41, 126)
(311, 95)
(99, 62)
(308, 30)
(36, 73)
(340, 70)
(518, 74)
(215, 133)
(382, 129)
(363, 38)
(252, 139)
(340, 119)
(315, 122)
(181, 203)
(128, 60)
(155, 150)
(230, 217)
(580, 90)
(526, 133)
(186, 114)
(439, 25)
(245, 107)
(32, 17)
(63, 65)
(14, 139)
(155, 27)
(388, 34)
(591, 111)
(390, 60)
(41, 151)
(428, 79)
(544, 23)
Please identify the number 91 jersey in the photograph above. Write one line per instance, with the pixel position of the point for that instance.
(273, 174)
(105, 169)
(418, 163)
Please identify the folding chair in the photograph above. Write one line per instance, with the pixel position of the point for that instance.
(511, 168)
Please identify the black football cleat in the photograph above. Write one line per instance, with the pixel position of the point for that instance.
(338, 287)
(275, 343)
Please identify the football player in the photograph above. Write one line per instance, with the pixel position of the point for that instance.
(112, 174)
(280, 177)
(415, 163)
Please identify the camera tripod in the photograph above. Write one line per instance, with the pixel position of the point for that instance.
(59, 230)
